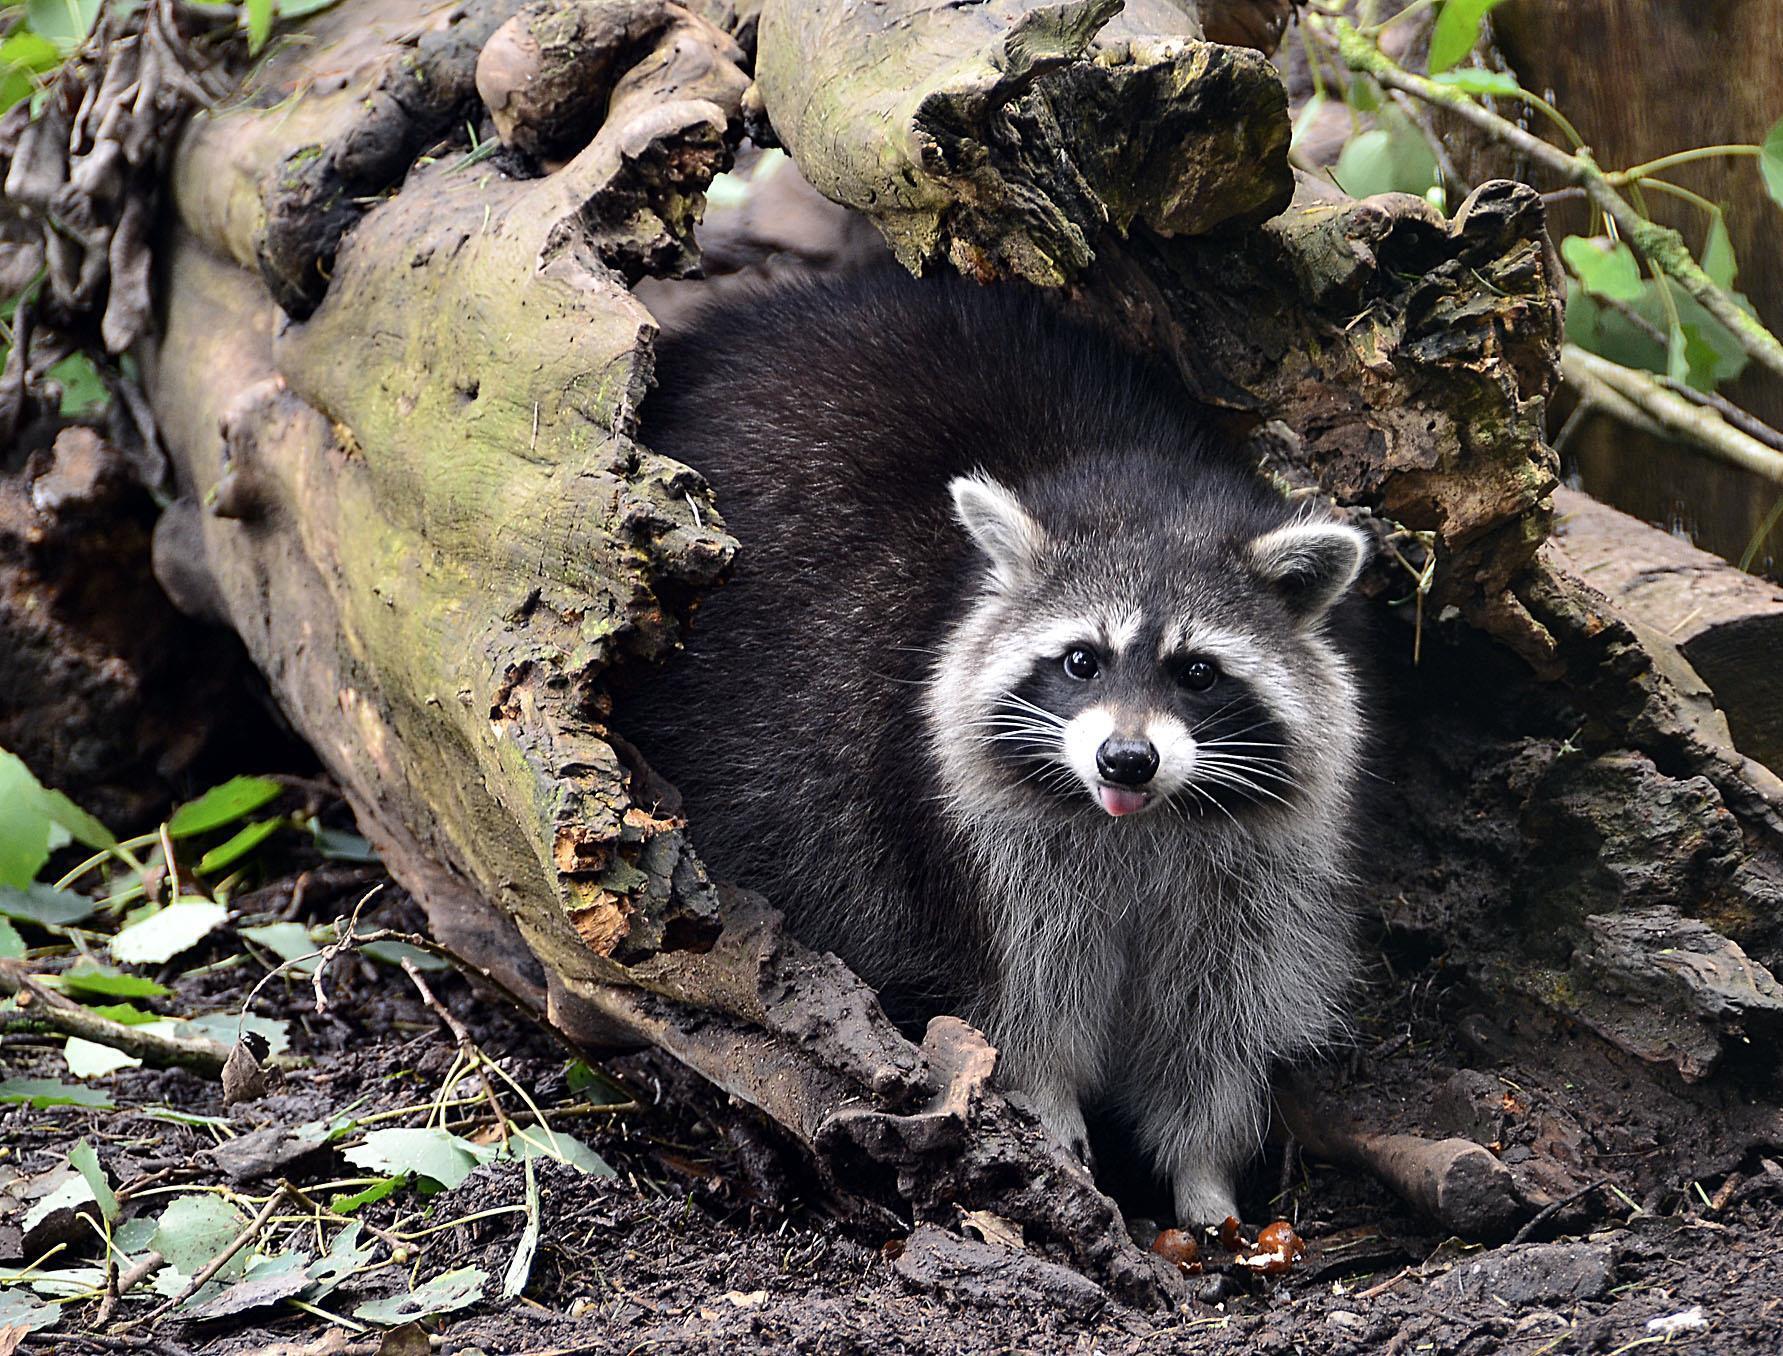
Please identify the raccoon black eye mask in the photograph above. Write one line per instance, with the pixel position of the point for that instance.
(1027, 698)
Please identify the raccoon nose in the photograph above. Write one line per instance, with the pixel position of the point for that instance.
(1126, 762)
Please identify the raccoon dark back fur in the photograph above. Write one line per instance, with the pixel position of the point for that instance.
(831, 415)
(809, 722)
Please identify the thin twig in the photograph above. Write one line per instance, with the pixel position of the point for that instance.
(43, 1004)
(467, 1046)
(1661, 245)
(118, 1284)
(1620, 390)
(308, 1202)
(217, 1263)
(345, 939)
(1547, 1212)
(1749, 424)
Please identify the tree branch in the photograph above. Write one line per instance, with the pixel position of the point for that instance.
(45, 1005)
(1661, 245)
(1616, 388)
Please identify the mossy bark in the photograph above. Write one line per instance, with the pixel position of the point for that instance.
(400, 384)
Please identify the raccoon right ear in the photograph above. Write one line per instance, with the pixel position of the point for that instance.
(1312, 564)
(997, 523)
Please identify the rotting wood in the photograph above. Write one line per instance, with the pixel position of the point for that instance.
(1728, 624)
(414, 496)
(433, 542)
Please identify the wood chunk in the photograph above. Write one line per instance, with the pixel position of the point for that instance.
(1726, 623)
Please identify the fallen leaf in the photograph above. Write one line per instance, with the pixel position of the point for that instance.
(243, 1078)
(444, 1293)
(267, 1280)
(89, 1059)
(167, 932)
(993, 1228)
(194, 1229)
(432, 1153)
(39, 1093)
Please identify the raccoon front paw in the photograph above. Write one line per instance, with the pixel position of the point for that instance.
(1063, 1119)
(1204, 1198)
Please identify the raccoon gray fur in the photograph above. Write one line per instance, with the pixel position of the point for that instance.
(1027, 698)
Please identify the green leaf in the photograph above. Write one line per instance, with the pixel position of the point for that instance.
(344, 1256)
(223, 1027)
(537, 1141)
(259, 15)
(103, 980)
(290, 942)
(1478, 80)
(38, 1093)
(44, 905)
(125, 1014)
(167, 932)
(24, 58)
(340, 846)
(12, 946)
(395, 953)
(1770, 161)
(1457, 31)
(1606, 268)
(582, 1077)
(435, 1154)
(235, 799)
(227, 854)
(19, 1309)
(1306, 117)
(347, 1204)
(82, 390)
(66, 23)
(30, 813)
(1718, 256)
(24, 826)
(444, 1293)
(266, 1280)
(1388, 159)
(194, 1229)
(1362, 94)
(86, 1162)
(89, 1059)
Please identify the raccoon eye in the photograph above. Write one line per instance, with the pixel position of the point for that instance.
(1198, 675)
(1081, 664)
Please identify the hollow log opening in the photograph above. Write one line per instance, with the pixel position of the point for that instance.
(399, 379)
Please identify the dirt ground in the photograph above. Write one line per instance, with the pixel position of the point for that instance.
(706, 1243)
(710, 1239)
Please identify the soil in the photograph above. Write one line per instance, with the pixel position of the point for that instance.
(710, 1238)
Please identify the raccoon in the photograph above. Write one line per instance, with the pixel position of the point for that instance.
(1028, 698)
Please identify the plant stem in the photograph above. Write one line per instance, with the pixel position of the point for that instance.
(1662, 246)
(1620, 390)
(1666, 162)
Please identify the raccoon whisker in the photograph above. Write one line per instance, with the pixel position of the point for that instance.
(1023, 704)
(1020, 718)
(1224, 743)
(1200, 797)
(1230, 734)
(1241, 784)
(1270, 770)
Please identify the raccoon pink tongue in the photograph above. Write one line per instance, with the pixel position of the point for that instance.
(1118, 802)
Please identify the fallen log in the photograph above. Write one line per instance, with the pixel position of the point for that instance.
(1726, 623)
(399, 378)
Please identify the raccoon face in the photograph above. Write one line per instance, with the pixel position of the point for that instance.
(1136, 659)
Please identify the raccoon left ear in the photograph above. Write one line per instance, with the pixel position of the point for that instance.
(1310, 564)
(997, 523)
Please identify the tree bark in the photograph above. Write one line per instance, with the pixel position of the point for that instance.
(399, 382)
